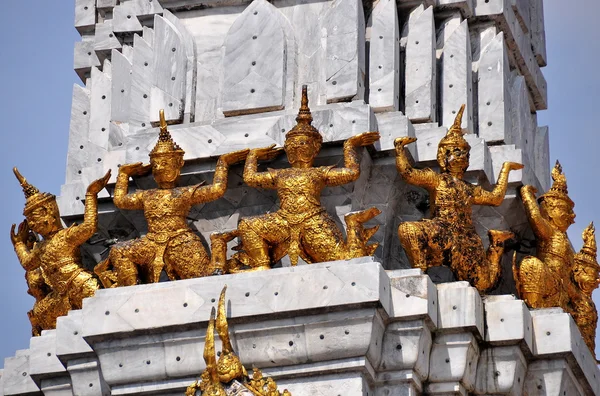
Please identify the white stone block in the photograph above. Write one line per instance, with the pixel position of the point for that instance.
(344, 384)
(459, 308)
(43, 360)
(120, 87)
(414, 296)
(106, 3)
(147, 8)
(418, 38)
(69, 341)
(169, 66)
(85, 15)
(501, 370)
(541, 159)
(508, 321)
(100, 105)
(392, 125)
(384, 57)
(15, 377)
(125, 18)
(464, 6)
(493, 91)
(84, 57)
(69, 201)
(538, 32)
(344, 28)
(521, 9)
(254, 61)
(78, 131)
(57, 386)
(141, 79)
(86, 377)
(552, 377)
(105, 39)
(406, 346)
(453, 361)
(509, 153)
(456, 80)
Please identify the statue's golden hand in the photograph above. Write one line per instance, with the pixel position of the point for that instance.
(513, 165)
(404, 141)
(136, 169)
(97, 185)
(235, 157)
(364, 139)
(267, 153)
(21, 235)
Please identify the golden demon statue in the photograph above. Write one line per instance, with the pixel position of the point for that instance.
(585, 275)
(228, 376)
(449, 237)
(558, 277)
(170, 244)
(301, 226)
(53, 266)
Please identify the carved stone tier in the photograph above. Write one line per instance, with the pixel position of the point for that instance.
(336, 328)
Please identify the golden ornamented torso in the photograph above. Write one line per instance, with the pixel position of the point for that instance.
(299, 190)
(452, 200)
(166, 209)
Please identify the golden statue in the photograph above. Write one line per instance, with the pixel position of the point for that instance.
(301, 227)
(449, 237)
(585, 275)
(545, 281)
(558, 277)
(228, 376)
(170, 244)
(53, 266)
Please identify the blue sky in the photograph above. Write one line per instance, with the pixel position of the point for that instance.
(37, 37)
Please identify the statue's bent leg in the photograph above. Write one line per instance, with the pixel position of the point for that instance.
(257, 233)
(357, 235)
(494, 257)
(127, 255)
(84, 285)
(537, 285)
(37, 286)
(186, 258)
(322, 240)
(415, 239)
(48, 309)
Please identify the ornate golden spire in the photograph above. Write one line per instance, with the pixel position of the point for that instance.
(165, 146)
(588, 252)
(454, 137)
(213, 381)
(304, 120)
(559, 188)
(34, 198)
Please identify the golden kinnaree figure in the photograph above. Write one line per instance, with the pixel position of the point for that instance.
(170, 244)
(449, 237)
(228, 376)
(301, 227)
(557, 276)
(53, 266)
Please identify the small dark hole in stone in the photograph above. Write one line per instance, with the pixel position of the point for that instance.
(334, 82)
(322, 337)
(173, 49)
(291, 343)
(81, 147)
(276, 293)
(107, 312)
(91, 385)
(454, 307)
(325, 287)
(253, 63)
(178, 358)
(212, 300)
(247, 294)
(246, 135)
(147, 361)
(137, 310)
(254, 37)
(103, 96)
(128, 16)
(75, 333)
(48, 354)
(447, 360)
(145, 63)
(399, 346)
(346, 332)
(209, 140)
(353, 283)
(185, 305)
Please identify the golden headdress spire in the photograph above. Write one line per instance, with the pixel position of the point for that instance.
(304, 120)
(214, 386)
(229, 367)
(559, 188)
(165, 146)
(34, 198)
(589, 250)
(454, 137)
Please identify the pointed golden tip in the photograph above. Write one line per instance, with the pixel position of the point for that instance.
(19, 176)
(458, 119)
(163, 122)
(304, 114)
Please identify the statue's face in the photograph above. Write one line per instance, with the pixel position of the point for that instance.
(166, 169)
(301, 150)
(454, 160)
(587, 278)
(44, 219)
(559, 212)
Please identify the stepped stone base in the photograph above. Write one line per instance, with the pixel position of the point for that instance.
(338, 328)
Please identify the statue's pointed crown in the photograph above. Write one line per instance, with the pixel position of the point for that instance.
(33, 197)
(304, 120)
(559, 188)
(455, 137)
(589, 250)
(165, 146)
